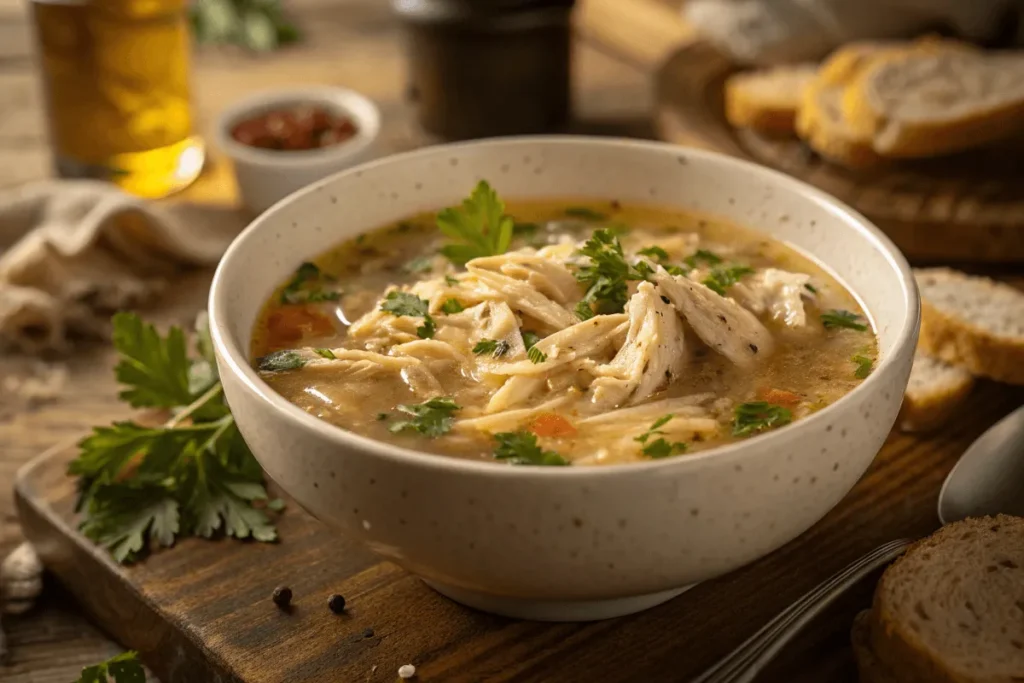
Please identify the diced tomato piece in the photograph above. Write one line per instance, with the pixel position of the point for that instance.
(552, 426)
(290, 324)
(779, 397)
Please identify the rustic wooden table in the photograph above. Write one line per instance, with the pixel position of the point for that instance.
(354, 43)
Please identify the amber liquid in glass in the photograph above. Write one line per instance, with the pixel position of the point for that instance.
(115, 77)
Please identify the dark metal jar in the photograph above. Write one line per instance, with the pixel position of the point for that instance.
(482, 68)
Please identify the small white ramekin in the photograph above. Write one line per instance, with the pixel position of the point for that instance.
(266, 176)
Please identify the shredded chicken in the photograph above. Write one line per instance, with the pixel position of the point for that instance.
(522, 297)
(547, 275)
(776, 292)
(581, 340)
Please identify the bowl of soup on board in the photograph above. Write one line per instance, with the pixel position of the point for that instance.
(564, 378)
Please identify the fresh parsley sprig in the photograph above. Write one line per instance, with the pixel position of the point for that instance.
(722, 278)
(521, 448)
(836, 319)
(660, 447)
(431, 418)
(491, 347)
(406, 303)
(308, 286)
(605, 274)
(479, 227)
(864, 366)
(122, 668)
(191, 476)
(759, 416)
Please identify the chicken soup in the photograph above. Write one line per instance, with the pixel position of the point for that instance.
(561, 333)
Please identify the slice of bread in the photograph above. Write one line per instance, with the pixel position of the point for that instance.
(935, 391)
(973, 322)
(951, 610)
(820, 121)
(767, 100)
(936, 99)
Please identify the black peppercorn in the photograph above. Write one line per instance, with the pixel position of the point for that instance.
(336, 603)
(283, 596)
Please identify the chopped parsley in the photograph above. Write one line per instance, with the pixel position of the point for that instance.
(479, 227)
(280, 360)
(451, 281)
(408, 304)
(307, 286)
(431, 418)
(325, 353)
(677, 270)
(420, 264)
(703, 256)
(586, 214)
(838, 319)
(724, 277)
(451, 306)
(536, 355)
(864, 366)
(660, 447)
(605, 275)
(810, 288)
(655, 252)
(122, 668)
(491, 347)
(759, 416)
(530, 339)
(521, 448)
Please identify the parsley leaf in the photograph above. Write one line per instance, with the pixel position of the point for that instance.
(492, 347)
(154, 370)
(586, 214)
(677, 270)
(655, 252)
(279, 361)
(864, 366)
(479, 227)
(660, 448)
(521, 448)
(530, 339)
(408, 304)
(431, 418)
(122, 668)
(605, 274)
(420, 264)
(325, 353)
(307, 286)
(192, 476)
(810, 288)
(838, 319)
(451, 281)
(722, 278)
(451, 306)
(536, 355)
(758, 416)
(705, 256)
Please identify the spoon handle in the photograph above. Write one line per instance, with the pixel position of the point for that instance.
(746, 661)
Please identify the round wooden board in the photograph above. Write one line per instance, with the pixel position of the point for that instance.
(968, 208)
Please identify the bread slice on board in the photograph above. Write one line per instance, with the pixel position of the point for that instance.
(951, 610)
(973, 322)
(820, 121)
(767, 100)
(936, 99)
(936, 389)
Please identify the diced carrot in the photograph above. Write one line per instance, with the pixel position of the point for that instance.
(779, 397)
(290, 324)
(552, 426)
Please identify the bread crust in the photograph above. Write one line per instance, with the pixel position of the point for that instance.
(746, 105)
(924, 411)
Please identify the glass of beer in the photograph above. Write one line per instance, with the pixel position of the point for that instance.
(116, 82)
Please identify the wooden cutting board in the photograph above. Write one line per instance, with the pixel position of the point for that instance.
(966, 208)
(201, 611)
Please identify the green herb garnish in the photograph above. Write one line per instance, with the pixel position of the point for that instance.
(530, 339)
(479, 227)
(122, 668)
(655, 252)
(677, 270)
(259, 26)
(838, 319)
(758, 416)
(451, 281)
(191, 476)
(451, 306)
(279, 361)
(536, 355)
(521, 448)
(431, 418)
(491, 347)
(306, 286)
(660, 448)
(864, 366)
(703, 256)
(722, 278)
(585, 214)
(420, 264)
(605, 275)
(408, 304)
(810, 288)
(325, 353)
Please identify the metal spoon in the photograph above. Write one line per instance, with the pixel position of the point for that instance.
(987, 480)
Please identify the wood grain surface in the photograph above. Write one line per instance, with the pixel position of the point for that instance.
(964, 208)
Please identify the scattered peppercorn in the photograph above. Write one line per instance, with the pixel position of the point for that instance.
(336, 603)
(283, 596)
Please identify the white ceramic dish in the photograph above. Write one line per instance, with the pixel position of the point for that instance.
(567, 543)
(265, 176)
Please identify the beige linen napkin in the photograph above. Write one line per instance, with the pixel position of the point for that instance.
(74, 251)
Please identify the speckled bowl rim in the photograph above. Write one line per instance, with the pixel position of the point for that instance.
(235, 360)
(364, 113)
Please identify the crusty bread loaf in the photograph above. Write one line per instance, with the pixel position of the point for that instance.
(767, 100)
(820, 121)
(936, 389)
(951, 610)
(973, 322)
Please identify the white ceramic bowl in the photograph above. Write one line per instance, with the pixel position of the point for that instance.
(266, 176)
(582, 542)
